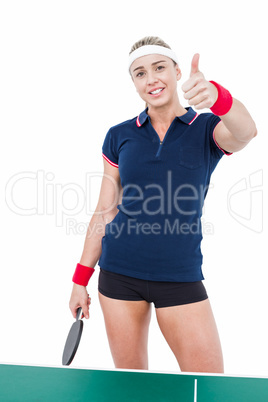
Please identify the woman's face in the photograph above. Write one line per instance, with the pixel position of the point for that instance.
(155, 78)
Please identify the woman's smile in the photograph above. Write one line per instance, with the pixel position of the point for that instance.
(156, 92)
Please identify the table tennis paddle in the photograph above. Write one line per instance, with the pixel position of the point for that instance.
(73, 339)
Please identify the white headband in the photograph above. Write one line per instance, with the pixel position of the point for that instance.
(151, 49)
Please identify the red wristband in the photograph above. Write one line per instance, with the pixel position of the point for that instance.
(82, 274)
(224, 102)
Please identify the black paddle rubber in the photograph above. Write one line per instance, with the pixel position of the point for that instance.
(72, 341)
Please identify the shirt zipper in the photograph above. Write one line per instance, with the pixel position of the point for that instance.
(161, 142)
(159, 148)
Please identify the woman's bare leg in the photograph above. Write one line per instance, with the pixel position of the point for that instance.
(191, 332)
(127, 327)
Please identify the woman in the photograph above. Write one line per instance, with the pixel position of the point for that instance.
(157, 169)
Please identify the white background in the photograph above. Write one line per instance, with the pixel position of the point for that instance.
(64, 82)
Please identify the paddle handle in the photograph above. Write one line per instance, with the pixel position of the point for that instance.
(79, 314)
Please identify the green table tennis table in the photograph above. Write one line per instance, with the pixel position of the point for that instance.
(22, 383)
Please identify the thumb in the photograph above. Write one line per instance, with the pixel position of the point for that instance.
(194, 65)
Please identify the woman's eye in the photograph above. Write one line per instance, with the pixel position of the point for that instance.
(160, 68)
(140, 74)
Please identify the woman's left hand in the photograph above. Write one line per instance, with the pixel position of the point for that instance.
(199, 92)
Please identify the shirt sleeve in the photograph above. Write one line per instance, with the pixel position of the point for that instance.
(109, 151)
(215, 148)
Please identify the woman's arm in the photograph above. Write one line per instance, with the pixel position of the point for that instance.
(105, 212)
(110, 195)
(236, 128)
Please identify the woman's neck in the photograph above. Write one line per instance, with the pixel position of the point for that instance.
(166, 114)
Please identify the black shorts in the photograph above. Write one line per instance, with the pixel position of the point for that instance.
(162, 294)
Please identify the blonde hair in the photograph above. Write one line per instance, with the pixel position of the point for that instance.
(149, 40)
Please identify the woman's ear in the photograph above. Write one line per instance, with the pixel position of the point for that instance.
(178, 72)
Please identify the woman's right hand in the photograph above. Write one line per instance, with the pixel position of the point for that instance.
(79, 298)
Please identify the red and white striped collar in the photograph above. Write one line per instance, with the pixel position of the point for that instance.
(187, 118)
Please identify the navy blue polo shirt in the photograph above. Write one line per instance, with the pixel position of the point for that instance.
(156, 234)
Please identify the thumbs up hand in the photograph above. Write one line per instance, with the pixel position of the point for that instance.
(199, 92)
